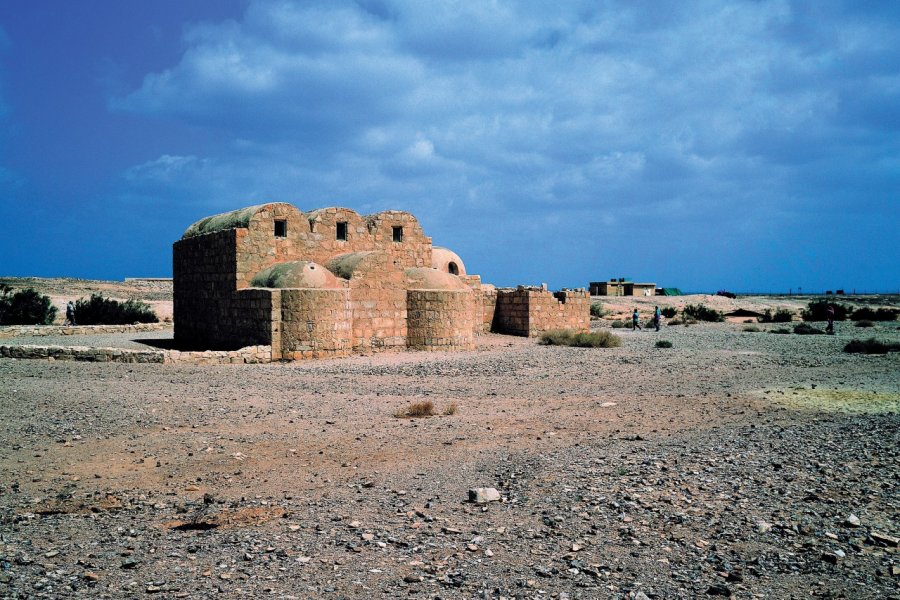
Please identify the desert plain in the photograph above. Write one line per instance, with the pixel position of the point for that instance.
(736, 463)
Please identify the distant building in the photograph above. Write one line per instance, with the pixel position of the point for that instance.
(621, 287)
(331, 282)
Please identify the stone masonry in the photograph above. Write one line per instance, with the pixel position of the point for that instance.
(331, 282)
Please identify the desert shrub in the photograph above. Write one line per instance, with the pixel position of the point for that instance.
(416, 409)
(669, 312)
(450, 409)
(782, 315)
(807, 329)
(865, 324)
(751, 329)
(618, 324)
(567, 337)
(817, 310)
(781, 330)
(25, 307)
(703, 313)
(597, 310)
(104, 311)
(868, 314)
(871, 346)
(726, 294)
(663, 344)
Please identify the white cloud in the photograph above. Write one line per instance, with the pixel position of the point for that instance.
(603, 112)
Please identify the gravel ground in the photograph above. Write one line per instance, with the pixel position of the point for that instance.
(142, 340)
(738, 464)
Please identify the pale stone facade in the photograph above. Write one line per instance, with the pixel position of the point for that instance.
(331, 282)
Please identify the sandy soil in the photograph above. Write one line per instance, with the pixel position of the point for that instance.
(735, 463)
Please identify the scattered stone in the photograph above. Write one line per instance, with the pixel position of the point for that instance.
(717, 589)
(852, 521)
(483, 495)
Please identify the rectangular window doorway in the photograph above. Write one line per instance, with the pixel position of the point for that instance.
(342, 231)
(280, 228)
(398, 234)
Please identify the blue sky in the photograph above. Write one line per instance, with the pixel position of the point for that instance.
(704, 145)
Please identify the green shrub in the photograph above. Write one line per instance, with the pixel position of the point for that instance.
(669, 312)
(865, 324)
(105, 311)
(567, 337)
(781, 330)
(597, 310)
(817, 310)
(807, 329)
(703, 313)
(618, 324)
(871, 346)
(751, 329)
(25, 307)
(663, 344)
(882, 314)
(782, 315)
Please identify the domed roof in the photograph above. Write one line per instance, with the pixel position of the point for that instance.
(296, 274)
(422, 278)
(446, 260)
(234, 219)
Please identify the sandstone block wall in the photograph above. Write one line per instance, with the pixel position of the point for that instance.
(488, 309)
(313, 237)
(204, 284)
(530, 312)
(441, 319)
(315, 323)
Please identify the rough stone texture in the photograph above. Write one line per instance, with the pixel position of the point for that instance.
(248, 355)
(378, 277)
(315, 323)
(11, 331)
(532, 311)
(440, 320)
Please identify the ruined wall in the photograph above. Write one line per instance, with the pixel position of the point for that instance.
(315, 323)
(478, 308)
(441, 319)
(203, 269)
(530, 312)
(488, 308)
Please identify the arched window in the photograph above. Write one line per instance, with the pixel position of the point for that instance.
(453, 269)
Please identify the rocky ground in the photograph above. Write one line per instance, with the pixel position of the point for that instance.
(735, 463)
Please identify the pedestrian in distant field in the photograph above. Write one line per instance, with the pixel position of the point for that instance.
(70, 313)
(830, 314)
(657, 317)
(635, 321)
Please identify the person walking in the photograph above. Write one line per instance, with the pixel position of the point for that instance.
(70, 313)
(829, 313)
(635, 320)
(657, 317)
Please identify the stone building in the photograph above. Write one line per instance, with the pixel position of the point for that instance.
(621, 287)
(331, 282)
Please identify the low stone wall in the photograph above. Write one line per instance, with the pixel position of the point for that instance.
(532, 311)
(248, 355)
(10, 331)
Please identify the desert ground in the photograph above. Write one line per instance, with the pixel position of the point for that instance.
(735, 463)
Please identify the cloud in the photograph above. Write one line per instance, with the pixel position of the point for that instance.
(601, 112)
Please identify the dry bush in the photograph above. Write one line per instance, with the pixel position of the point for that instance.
(450, 409)
(567, 337)
(751, 329)
(416, 409)
(871, 346)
